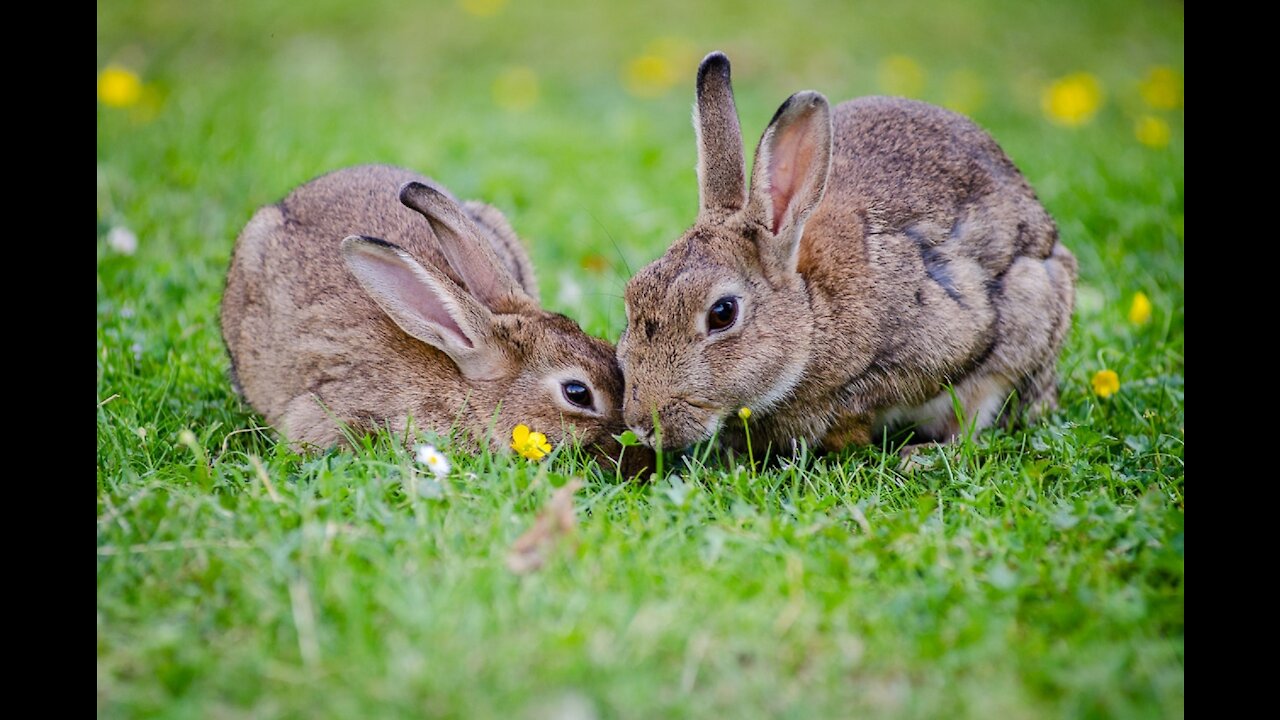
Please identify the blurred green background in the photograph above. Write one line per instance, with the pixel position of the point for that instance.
(574, 118)
(1050, 586)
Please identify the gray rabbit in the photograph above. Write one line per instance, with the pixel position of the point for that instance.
(884, 251)
(349, 304)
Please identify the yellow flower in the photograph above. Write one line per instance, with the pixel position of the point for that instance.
(901, 75)
(516, 89)
(1152, 131)
(482, 8)
(532, 445)
(744, 413)
(118, 87)
(649, 76)
(1072, 100)
(1106, 383)
(659, 67)
(1140, 309)
(1162, 88)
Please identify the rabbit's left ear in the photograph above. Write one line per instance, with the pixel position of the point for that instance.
(426, 304)
(722, 172)
(793, 162)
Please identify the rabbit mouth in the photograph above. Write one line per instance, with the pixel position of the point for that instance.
(687, 421)
(681, 422)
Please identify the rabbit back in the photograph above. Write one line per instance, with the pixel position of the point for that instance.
(931, 244)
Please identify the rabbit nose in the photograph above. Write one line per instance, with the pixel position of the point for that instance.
(639, 422)
(644, 432)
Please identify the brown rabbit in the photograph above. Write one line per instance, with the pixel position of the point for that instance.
(432, 314)
(885, 251)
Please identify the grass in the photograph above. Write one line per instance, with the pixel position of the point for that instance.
(1017, 574)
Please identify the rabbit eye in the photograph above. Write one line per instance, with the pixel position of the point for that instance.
(722, 314)
(577, 394)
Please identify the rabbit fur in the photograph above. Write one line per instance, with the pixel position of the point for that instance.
(348, 305)
(885, 254)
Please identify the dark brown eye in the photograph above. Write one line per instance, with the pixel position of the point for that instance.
(577, 394)
(722, 314)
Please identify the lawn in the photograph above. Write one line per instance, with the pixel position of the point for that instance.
(1034, 573)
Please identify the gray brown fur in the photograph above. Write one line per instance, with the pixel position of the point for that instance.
(313, 349)
(925, 261)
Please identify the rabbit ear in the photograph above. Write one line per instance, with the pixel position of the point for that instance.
(722, 173)
(468, 253)
(790, 174)
(426, 304)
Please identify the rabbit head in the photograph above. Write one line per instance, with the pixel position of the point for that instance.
(722, 320)
(520, 363)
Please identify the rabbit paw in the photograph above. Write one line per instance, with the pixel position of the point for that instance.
(908, 457)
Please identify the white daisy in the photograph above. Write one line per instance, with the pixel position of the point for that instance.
(571, 294)
(122, 240)
(435, 460)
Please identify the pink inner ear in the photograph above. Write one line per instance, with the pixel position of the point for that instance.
(432, 306)
(790, 156)
(403, 291)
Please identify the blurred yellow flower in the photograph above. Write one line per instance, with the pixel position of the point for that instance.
(662, 64)
(482, 8)
(118, 87)
(1162, 88)
(532, 445)
(965, 91)
(1072, 100)
(1152, 131)
(516, 89)
(901, 75)
(744, 413)
(1140, 309)
(649, 76)
(1106, 383)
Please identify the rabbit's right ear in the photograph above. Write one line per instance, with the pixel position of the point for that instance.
(426, 304)
(468, 253)
(722, 172)
(793, 163)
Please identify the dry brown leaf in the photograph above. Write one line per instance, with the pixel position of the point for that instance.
(557, 519)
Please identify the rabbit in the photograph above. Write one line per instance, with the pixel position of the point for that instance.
(344, 306)
(885, 254)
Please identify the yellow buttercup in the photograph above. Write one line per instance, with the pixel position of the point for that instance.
(1106, 383)
(532, 445)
